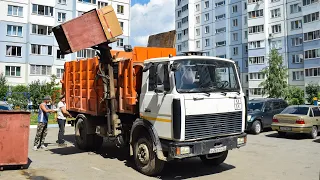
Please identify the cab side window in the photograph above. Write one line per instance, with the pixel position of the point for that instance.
(159, 77)
(316, 111)
(152, 79)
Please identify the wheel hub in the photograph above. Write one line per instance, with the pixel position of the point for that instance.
(143, 153)
(258, 128)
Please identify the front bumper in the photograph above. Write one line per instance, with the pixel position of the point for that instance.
(204, 147)
(293, 129)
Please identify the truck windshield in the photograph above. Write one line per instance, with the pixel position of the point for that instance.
(206, 75)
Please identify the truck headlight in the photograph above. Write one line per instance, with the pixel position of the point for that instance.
(183, 150)
(249, 118)
(242, 140)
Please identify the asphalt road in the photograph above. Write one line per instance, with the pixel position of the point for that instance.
(265, 157)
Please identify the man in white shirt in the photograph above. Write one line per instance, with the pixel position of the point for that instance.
(62, 117)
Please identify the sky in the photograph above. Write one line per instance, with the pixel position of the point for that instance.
(150, 17)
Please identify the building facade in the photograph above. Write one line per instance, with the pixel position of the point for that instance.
(28, 49)
(246, 31)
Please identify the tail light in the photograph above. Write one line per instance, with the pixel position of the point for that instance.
(274, 120)
(300, 121)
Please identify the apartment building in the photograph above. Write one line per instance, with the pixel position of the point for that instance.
(246, 31)
(28, 49)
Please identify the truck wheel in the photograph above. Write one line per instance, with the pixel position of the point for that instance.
(256, 127)
(214, 161)
(84, 141)
(145, 158)
(314, 132)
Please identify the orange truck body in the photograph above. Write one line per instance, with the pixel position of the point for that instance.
(84, 90)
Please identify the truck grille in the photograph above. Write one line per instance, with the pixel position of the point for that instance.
(209, 125)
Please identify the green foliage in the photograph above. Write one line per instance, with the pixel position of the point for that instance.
(35, 92)
(294, 95)
(312, 91)
(275, 83)
(19, 96)
(3, 86)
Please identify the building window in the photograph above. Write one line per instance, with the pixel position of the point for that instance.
(219, 17)
(13, 51)
(297, 58)
(179, 2)
(295, 8)
(245, 5)
(275, 13)
(220, 30)
(62, 2)
(121, 25)
(197, 7)
(80, 13)
(88, 1)
(60, 73)
(184, 20)
(207, 30)
(256, 60)
(184, 8)
(15, 11)
(13, 71)
(222, 56)
(40, 70)
(86, 53)
(221, 43)
(120, 9)
(221, 3)
(245, 19)
(179, 24)
(206, 4)
(256, 76)
(297, 75)
(308, 2)
(60, 55)
(296, 24)
(102, 4)
(179, 13)
(246, 66)
(235, 51)
(42, 10)
(235, 36)
(179, 48)
(256, 91)
(14, 30)
(312, 72)
(313, 35)
(198, 32)
(276, 28)
(235, 22)
(61, 17)
(179, 36)
(256, 29)
(254, 1)
(120, 42)
(198, 19)
(41, 49)
(207, 41)
(185, 44)
(185, 32)
(41, 30)
(296, 41)
(276, 44)
(206, 17)
(245, 34)
(255, 14)
(234, 9)
(198, 44)
(256, 44)
(311, 17)
(313, 53)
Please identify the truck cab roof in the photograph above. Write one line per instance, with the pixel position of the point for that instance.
(176, 58)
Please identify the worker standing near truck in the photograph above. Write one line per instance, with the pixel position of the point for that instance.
(42, 129)
(62, 113)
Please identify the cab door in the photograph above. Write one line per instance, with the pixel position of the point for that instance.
(156, 100)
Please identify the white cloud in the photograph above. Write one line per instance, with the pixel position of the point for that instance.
(155, 17)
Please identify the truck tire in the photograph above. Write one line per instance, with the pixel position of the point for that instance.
(84, 141)
(145, 158)
(214, 161)
(256, 127)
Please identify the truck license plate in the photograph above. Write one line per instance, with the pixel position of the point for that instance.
(218, 149)
(285, 128)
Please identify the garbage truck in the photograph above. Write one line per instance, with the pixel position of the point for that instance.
(163, 107)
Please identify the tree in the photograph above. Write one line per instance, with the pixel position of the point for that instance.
(295, 95)
(3, 86)
(35, 92)
(275, 83)
(312, 91)
(19, 96)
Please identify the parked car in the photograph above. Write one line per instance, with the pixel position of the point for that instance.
(298, 119)
(5, 106)
(261, 112)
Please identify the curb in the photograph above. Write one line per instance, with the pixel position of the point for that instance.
(49, 126)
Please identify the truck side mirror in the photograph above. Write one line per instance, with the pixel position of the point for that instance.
(147, 67)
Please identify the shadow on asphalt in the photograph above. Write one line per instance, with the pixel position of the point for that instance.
(316, 140)
(291, 136)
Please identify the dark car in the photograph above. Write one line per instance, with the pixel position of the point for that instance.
(5, 106)
(261, 112)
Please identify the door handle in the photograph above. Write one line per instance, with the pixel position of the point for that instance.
(147, 110)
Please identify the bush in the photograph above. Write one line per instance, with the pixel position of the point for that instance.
(3, 86)
(19, 97)
(294, 95)
(312, 91)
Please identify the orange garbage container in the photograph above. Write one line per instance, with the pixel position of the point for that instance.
(14, 138)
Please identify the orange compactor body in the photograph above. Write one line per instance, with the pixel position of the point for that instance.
(83, 87)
